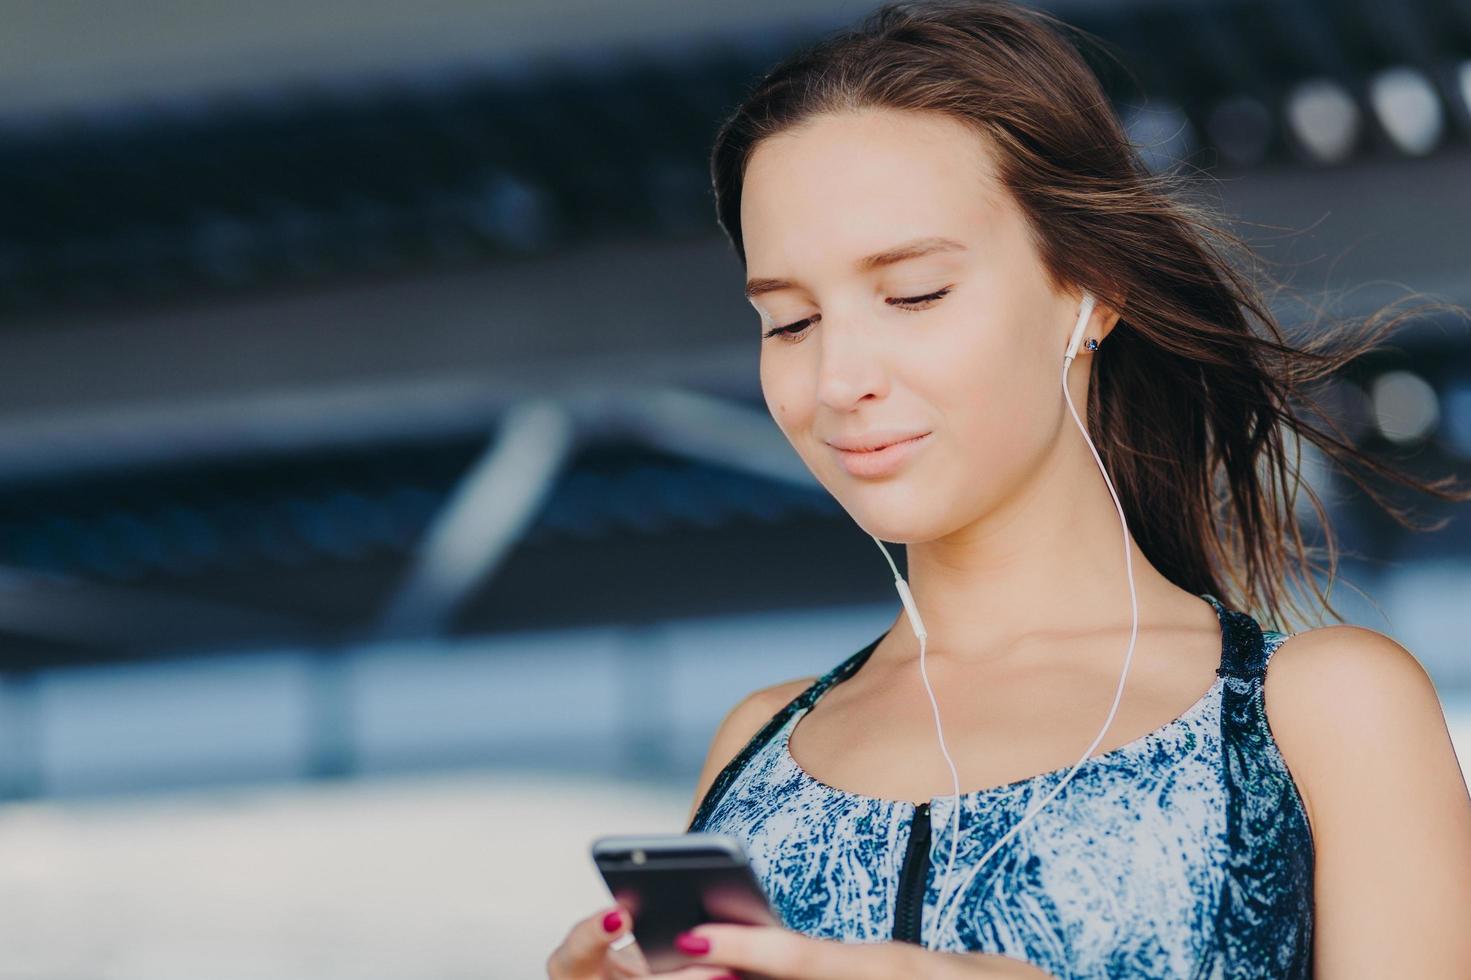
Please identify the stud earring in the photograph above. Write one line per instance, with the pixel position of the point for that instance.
(1091, 343)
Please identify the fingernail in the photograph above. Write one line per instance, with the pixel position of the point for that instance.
(688, 942)
(611, 921)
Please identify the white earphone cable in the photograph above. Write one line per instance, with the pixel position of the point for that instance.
(943, 922)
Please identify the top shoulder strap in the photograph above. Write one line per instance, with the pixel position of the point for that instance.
(1243, 652)
(837, 675)
(806, 699)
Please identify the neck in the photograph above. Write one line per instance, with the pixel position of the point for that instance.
(1048, 559)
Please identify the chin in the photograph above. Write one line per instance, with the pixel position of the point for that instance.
(893, 513)
(897, 532)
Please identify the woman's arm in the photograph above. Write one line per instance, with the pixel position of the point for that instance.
(1362, 729)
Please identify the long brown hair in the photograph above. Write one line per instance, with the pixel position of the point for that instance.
(1198, 402)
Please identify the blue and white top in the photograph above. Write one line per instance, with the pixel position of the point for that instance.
(1184, 853)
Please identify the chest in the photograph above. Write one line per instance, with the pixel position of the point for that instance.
(1182, 852)
(1131, 856)
(992, 744)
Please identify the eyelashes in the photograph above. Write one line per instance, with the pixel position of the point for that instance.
(912, 303)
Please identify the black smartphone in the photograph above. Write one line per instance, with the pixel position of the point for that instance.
(674, 882)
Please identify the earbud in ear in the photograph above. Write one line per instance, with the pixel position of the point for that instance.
(1085, 312)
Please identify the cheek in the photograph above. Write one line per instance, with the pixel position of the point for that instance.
(978, 364)
(995, 398)
(789, 403)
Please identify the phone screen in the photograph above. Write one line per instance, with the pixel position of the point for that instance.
(674, 882)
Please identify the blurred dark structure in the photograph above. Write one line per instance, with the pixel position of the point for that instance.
(257, 339)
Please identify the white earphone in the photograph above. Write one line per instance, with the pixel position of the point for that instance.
(942, 922)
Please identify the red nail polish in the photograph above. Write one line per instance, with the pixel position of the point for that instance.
(688, 942)
(611, 921)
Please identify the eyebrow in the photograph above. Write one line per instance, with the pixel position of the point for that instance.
(899, 253)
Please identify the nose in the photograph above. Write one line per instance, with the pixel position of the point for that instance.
(851, 363)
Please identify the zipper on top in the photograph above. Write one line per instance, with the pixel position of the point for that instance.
(910, 900)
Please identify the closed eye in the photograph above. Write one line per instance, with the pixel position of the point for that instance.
(912, 303)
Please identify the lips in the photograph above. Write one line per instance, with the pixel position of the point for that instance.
(873, 441)
(884, 461)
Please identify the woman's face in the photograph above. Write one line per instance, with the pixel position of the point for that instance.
(976, 368)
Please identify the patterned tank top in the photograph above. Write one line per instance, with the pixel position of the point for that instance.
(1184, 853)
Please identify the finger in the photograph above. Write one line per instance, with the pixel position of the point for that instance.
(779, 952)
(585, 948)
(626, 959)
(636, 966)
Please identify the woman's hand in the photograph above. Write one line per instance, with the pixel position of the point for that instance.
(585, 953)
(782, 954)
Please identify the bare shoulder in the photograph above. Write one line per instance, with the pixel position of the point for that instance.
(1336, 693)
(738, 726)
(1332, 663)
(1361, 725)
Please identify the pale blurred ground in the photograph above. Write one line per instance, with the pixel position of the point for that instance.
(424, 877)
(450, 876)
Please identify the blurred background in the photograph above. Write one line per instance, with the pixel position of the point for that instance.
(387, 501)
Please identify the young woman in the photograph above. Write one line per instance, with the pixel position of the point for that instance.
(926, 208)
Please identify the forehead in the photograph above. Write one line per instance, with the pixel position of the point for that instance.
(843, 182)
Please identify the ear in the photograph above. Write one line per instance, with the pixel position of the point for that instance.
(1105, 316)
